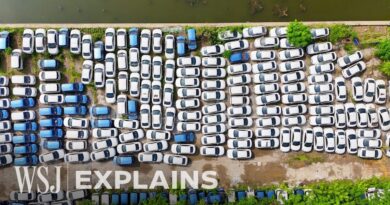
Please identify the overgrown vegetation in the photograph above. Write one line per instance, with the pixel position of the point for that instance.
(302, 159)
(298, 34)
(385, 68)
(96, 33)
(227, 54)
(340, 32)
(210, 34)
(383, 50)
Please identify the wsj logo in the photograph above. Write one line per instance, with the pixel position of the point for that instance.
(26, 177)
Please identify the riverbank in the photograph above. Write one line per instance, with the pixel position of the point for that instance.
(160, 25)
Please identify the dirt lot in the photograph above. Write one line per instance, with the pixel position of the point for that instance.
(267, 167)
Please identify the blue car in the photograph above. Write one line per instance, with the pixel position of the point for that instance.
(299, 192)
(25, 126)
(192, 197)
(23, 103)
(26, 149)
(63, 38)
(52, 144)
(132, 109)
(239, 57)
(78, 99)
(72, 87)
(98, 51)
(181, 45)
(133, 37)
(124, 160)
(182, 197)
(48, 64)
(99, 110)
(240, 195)
(114, 199)
(101, 123)
(124, 198)
(133, 198)
(191, 34)
(29, 160)
(75, 110)
(24, 139)
(52, 133)
(51, 122)
(4, 114)
(143, 196)
(5, 40)
(50, 111)
(185, 137)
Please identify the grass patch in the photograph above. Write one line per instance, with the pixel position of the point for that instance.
(304, 159)
(96, 33)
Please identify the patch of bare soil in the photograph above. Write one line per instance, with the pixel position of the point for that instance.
(259, 175)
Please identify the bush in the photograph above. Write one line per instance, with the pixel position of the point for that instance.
(339, 32)
(298, 34)
(385, 68)
(383, 50)
(227, 54)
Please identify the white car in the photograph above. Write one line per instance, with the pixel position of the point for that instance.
(188, 72)
(46, 76)
(103, 154)
(317, 48)
(213, 139)
(285, 140)
(193, 61)
(297, 87)
(40, 40)
(122, 60)
(384, 118)
(380, 92)
(134, 135)
(319, 32)
(134, 60)
(157, 41)
(321, 121)
(265, 78)
(266, 42)
(156, 146)
(239, 80)
(267, 143)
(146, 86)
(244, 110)
(187, 82)
(272, 121)
(318, 139)
(213, 84)
(76, 145)
(253, 32)
(292, 77)
(213, 96)
(105, 143)
(213, 62)
(368, 133)
(17, 59)
(71, 122)
(243, 68)
(23, 196)
(77, 134)
(158, 135)
(99, 75)
(126, 123)
(188, 126)
(329, 139)
(156, 92)
(321, 68)
(369, 143)
(357, 89)
(369, 90)
(146, 64)
(289, 66)
(121, 38)
(169, 47)
(307, 140)
(369, 153)
(285, 44)
(237, 45)
(212, 151)
(110, 65)
(340, 89)
(321, 78)
(157, 68)
(75, 41)
(291, 54)
(76, 194)
(264, 67)
(324, 58)
(350, 112)
(278, 32)
(290, 110)
(104, 132)
(341, 142)
(28, 41)
(175, 160)
(23, 115)
(87, 72)
(265, 88)
(123, 81)
(156, 117)
(170, 114)
(214, 129)
(24, 91)
(294, 98)
(289, 121)
(239, 154)
(51, 197)
(150, 157)
(20, 80)
(51, 99)
(213, 50)
(210, 73)
(87, 47)
(340, 117)
(209, 119)
(240, 133)
(145, 115)
(262, 55)
(321, 88)
(145, 41)
(321, 99)
(129, 147)
(109, 40)
(362, 116)
(352, 146)
(168, 94)
(187, 92)
(110, 91)
(183, 149)
(51, 156)
(6, 159)
(213, 108)
(296, 138)
(135, 80)
(354, 69)
(347, 60)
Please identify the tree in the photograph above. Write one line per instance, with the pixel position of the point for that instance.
(339, 32)
(298, 34)
(383, 50)
(385, 68)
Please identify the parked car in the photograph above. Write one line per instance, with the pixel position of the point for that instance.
(348, 60)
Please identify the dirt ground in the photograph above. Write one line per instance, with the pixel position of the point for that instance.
(266, 168)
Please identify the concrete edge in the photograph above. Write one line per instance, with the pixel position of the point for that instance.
(152, 25)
